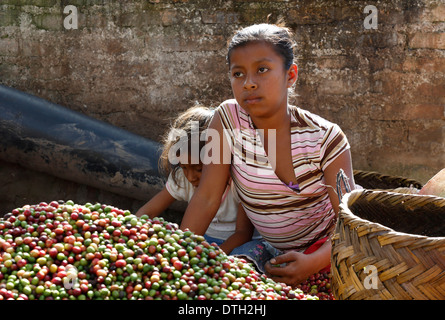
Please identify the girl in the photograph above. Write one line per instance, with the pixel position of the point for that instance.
(183, 169)
(284, 160)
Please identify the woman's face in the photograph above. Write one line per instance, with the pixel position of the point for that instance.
(259, 80)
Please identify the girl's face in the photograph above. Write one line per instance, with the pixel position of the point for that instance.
(192, 172)
(259, 80)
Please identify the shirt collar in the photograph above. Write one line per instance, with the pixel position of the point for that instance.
(293, 120)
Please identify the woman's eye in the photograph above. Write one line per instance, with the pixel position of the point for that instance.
(237, 74)
(263, 70)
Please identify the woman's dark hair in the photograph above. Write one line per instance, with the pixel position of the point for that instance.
(279, 37)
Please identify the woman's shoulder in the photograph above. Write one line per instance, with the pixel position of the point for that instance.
(177, 177)
(306, 118)
(178, 186)
(231, 114)
(229, 104)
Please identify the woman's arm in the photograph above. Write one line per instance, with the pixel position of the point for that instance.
(298, 265)
(343, 161)
(243, 232)
(206, 200)
(157, 204)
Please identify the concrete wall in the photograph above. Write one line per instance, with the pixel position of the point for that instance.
(136, 64)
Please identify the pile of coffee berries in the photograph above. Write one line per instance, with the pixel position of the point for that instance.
(65, 251)
(318, 285)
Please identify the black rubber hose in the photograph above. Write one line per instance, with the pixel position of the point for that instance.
(47, 137)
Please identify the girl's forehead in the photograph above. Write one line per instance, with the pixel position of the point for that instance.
(191, 165)
(191, 160)
(254, 45)
(257, 51)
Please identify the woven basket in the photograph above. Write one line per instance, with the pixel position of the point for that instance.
(389, 245)
(375, 180)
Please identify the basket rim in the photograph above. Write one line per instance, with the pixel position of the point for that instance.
(349, 197)
(360, 172)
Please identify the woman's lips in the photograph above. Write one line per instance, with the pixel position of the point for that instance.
(251, 100)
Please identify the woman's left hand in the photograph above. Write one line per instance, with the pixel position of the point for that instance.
(296, 268)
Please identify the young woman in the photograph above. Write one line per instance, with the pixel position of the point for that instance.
(284, 160)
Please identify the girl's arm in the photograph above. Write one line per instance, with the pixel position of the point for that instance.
(157, 204)
(344, 162)
(299, 266)
(243, 232)
(206, 200)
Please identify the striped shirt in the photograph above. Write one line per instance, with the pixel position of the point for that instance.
(288, 219)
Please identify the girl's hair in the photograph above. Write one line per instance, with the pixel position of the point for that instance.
(195, 118)
(278, 36)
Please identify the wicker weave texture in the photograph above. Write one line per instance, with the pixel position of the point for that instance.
(376, 180)
(401, 237)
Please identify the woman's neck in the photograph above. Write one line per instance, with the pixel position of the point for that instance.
(273, 129)
(278, 121)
